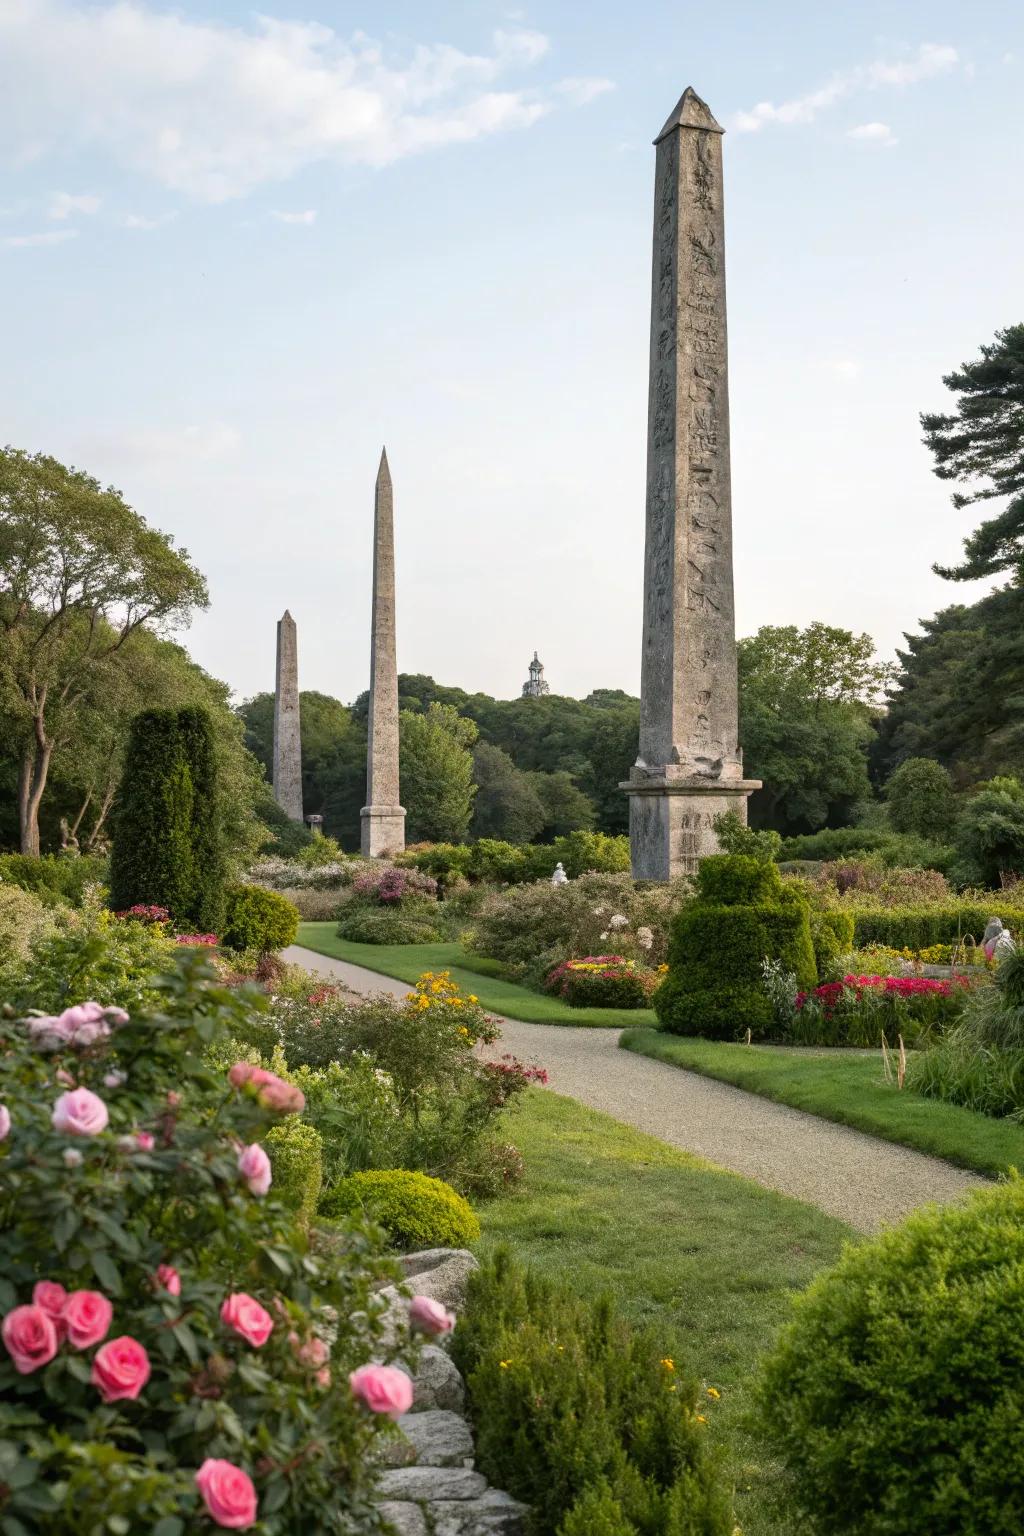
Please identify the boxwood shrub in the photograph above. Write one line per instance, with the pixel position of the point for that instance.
(296, 1153)
(741, 916)
(893, 1399)
(832, 937)
(368, 927)
(258, 919)
(415, 1210)
(919, 927)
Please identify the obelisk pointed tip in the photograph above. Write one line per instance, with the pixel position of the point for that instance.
(286, 618)
(690, 112)
(384, 472)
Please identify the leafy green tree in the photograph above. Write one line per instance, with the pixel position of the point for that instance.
(566, 807)
(333, 757)
(507, 805)
(80, 572)
(920, 798)
(990, 833)
(982, 446)
(806, 722)
(436, 773)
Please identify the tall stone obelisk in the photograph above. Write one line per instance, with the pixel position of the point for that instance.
(287, 741)
(382, 818)
(689, 768)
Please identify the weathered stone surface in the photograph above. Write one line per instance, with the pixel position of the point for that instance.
(382, 817)
(407, 1519)
(287, 761)
(493, 1514)
(437, 1383)
(431, 1483)
(689, 768)
(444, 1276)
(437, 1438)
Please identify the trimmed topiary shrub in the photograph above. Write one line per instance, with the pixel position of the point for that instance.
(199, 748)
(368, 927)
(415, 1210)
(907, 927)
(893, 1398)
(741, 916)
(296, 1152)
(832, 937)
(258, 919)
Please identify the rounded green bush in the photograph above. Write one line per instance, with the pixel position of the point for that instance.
(296, 1153)
(741, 916)
(258, 919)
(832, 937)
(363, 927)
(415, 1210)
(894, 1397)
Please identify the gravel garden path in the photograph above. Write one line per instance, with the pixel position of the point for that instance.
(857, 1178)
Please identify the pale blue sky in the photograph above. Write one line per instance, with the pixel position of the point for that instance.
(239, 251)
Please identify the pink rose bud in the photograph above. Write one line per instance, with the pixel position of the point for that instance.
(168, 1277)
(115, 1079)
(53, 1299)
(30, 1338)
(323, 1378)
(382, 1389)
(144, 1141)
(87, 1317)
(120, 1369)
(228, 1494)
(272, 1091)
(429, 1315)
(244, 1314)
(64, 1078)
(80, 1113)
(313, 1353)
(254, 1166)
(173, 1099)
(5, 1122)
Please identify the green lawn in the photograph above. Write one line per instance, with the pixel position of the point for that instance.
(849, 1087)
(708, 1258)
(472, 972)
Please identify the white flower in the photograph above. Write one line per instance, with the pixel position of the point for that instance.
(618, 921)
(72, 1157)
(599, 911)
(604, 935)
(644, 937)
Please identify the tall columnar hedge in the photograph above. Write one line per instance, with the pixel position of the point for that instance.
(741, 916)
(166, 844)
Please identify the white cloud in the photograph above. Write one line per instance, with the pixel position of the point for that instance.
(51, 237)
(873, 133)
(579, 90)
(64, 204)
(308, 216)
(930, 59)
(213, 109)
(144, 221)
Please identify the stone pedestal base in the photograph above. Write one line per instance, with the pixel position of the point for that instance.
(381, 830)
(672, 821)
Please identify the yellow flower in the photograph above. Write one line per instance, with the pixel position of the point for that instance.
(700, 1418)
(473, 998)
(668, 1363)
(504, 1364)
(714, 1392)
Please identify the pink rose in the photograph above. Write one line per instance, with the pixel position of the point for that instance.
(254, 1166)
(120, 1369)
(115, 1015)
(272, 1091)
(168, 1277)
(5, 1122)
(323, 1378)
(244, 1314)
(382, 1389)
(48, 1033)
(84, 1024)
(30, 1338)
(144, 1141)
(87, 1317)
(313, 1353)
(430, 1316)
(228, 1494)
(80, 1113)
(115, 1079)
(53, 1299)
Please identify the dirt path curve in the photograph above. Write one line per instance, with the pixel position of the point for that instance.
(859, 1179)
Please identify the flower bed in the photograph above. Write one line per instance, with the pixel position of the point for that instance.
(603, 981)
(858, 1010)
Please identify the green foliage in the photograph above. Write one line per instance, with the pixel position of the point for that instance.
(415, 1211)
(436, 773)
(990, 832)
(167, 850)
(296, 1152)
(980, 1064)
(258, 919)
(858, 842)
(832, 937)
(333, 740)
(920, 799)
(734, 836)
(52, 878)
(360, 926)
(23, 920)
(567, 808)
(103, 1212)
(741, 916)
(918, 927)
(984, 442)
(507, 804)
(85, 954)
(893, 1397)
(281, 835)
(581, 1416)
(608, 982)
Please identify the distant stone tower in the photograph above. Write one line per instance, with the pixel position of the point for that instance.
(536, 687)
(287, 762)
(382, 818)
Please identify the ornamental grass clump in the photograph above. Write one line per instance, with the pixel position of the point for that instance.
(175, 1356)
(581, 1416)
(893, 1399)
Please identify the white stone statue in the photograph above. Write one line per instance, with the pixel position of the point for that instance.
(994, 932)
(559, 877)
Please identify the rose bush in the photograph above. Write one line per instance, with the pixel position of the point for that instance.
(175, 1355)
(603, 981)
